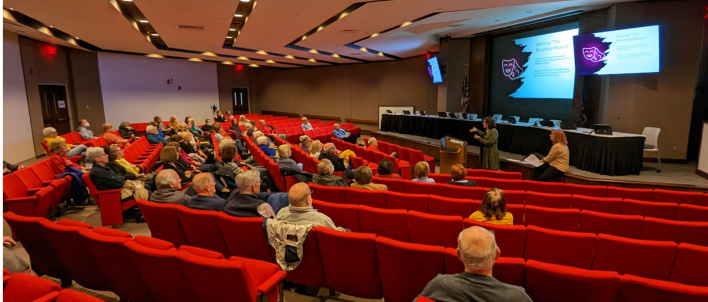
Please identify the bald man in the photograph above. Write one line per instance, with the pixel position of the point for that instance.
(477, 249)
(300, 210)
(168, 188)
(205, 186)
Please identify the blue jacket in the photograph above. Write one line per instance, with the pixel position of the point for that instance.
(268, 151)
(340, 134)
(156, 139)
(78, 187)
(213, 203)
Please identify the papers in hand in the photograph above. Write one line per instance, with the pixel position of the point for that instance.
(533, 160)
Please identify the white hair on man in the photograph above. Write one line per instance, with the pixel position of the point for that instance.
(372, 141)
(262, 122)
(48, 131)
(329, 148)
(257, 134)
(325, 166)
(475, 252)
(166, 178)
(262, 140)
(150, 128)
(201, 182)
(246, 179)
(93, 152)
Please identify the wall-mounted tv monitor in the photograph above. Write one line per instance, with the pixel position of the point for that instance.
(632, 50)
(434, 70)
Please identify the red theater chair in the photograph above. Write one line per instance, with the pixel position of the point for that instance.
(625, 193)
(434, 229)
(503, 175)
(393, 185)
(512, 196)
(504, 184)
(19, 200)
(476, 172)
(597, 204)
(163, 221)
(350, 256)
(22, 287)
(635, 288)
(310, 272)
(202, 229)
(691, 265)
(413, 187)
(506, 269)
(555, 219)
(376, 199)
(328, 194)
(689, 212)
(628, 226)
(383, 222)
(402, 281)
(344, 215)
(418, 156)
(244, 237)
(558, 247)
(676, 231)
(518, 211)
(556, 283)
(694, 198)
(595, 191)
(663, 210)
(544, 187)
(109, 203)
(510, 238)
(547, 200)
(450, 206)
(412, 202)
(644, 258)
(440, 178)
(454, 191)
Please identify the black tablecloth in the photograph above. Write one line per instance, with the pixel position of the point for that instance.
(603, 155)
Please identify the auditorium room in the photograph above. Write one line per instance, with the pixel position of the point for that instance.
(355, 150)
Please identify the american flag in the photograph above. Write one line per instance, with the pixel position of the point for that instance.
(465, 101)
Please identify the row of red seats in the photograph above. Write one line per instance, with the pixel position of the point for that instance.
(366, 157)
(512, 186)
(410, 155)
(141, 268)
(340, 204)
(34, 190)
(20, 287)
(368, 266)
(282, 182)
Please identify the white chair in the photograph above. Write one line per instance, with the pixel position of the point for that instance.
(651, 144)
(497, 118)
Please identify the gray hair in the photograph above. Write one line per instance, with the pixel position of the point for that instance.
(200, 182)
(329, 148)
(225, 141)
(325, 166)
(261, 140)
(93, 152)
(262, 121)
(149, 128)
(481, 258)
(165, 178)
(372, 141)
(49, 130)
(246, 179)
(257, 134)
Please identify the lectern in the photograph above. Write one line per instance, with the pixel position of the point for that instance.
(452, 151)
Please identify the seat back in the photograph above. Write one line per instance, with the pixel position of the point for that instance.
(217, 279)
(434, 229)
(555, 219)
(676, 231)
(548, 200)
(652, 134)
(694, 198)
(689, 212)
(244, 237)
(559, 247)
(513, 196)
(439, 205)
(27, 288)
(413, 187)
(510, 238)
(13, 187)
(503, 175)
(598, 204)
(384, 222)
(344, 215)
(635, 288)
(202, 229)
(310, 272)
(476, 172)
(504, 184)
(551, 282)
(663, 210)
(376, 199)
(626, 193)
(405, 201)
(163, 221)
(404, 153)
(595, 191)
(544, 187)
(440, 178)
(328, 194)
(454, 191)
(691, 265)
(362, 263)
(395, 185)
(644, 258)
(35, 241)
(402, 281)
(628, 226)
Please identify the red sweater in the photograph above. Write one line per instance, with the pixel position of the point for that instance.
(60, 162)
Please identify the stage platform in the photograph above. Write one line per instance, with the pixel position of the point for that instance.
(680, 177)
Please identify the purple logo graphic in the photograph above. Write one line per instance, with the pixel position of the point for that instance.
(511, 69)
(593, 54)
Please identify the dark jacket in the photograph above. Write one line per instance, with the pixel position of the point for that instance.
(245, 205)
(336, 161)
(125, 133)
(206, 127)
(288, 165)
(104, 178)
(154, 138)
(120, 170)
(237, 129)
(170, 196)
(329, 180)
(9, 166)
(187, 147)
(223, 174)
(469, 183)
(180, 171)
(213, 203)
(220, 119)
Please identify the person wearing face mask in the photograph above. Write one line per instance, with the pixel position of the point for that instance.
(205, 186)
(208, 126)
(84, 131)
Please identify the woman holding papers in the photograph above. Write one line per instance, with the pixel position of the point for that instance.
(489, 154)
(557, 161)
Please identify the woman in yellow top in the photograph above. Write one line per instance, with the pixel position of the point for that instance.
(558, 159)
(174, 124)
(50, 133)
(493, 209)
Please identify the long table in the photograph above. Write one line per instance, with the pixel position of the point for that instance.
(617, 154)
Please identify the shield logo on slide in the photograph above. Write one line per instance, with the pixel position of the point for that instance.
(511, 69)
(593, 54)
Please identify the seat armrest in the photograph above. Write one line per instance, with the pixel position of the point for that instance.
(106, 192)
(48, 297)
(270, 284)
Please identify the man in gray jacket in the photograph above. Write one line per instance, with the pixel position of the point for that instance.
(300, 210)
(168, 185)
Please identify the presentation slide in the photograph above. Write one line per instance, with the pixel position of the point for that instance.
(633, 50)
(434, 70)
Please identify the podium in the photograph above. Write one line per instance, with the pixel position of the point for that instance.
(452, 151)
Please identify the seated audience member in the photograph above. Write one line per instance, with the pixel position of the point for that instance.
(262, 144)
(205, 199)
(8, 168)
(119, 165)
(458, 174)
(184, 157)
(305, 124)
(249, 201)
(168, 189)
(229, 115)
(305, 142)
(112, 138)
(161, 126)
(242, 121)
(74, 150)
(493, 209)
(362, 180)
(301, 211)
(422, 169)
(153, 136)
(315, 149)
(159, 132)
(330, 152)
(374, 146)
(284, 161)
(267, 131)
(477, 249)
(558, 159)
(250, 131)
(169, 158)
(126, 131)
(386, 168)
(11, 261)
(175, 126)
(194, 129)
(58, 160)
(187, 118)
(194, 153)
(208, 125)
(343, 134)
(326, 178)
(104, 178)
(257, 133)
(84, 131)
(236, 128)
(218, 131)
(220, 117)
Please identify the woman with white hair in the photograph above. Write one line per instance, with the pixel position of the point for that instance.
(58, 158)
(315, 149)
(262, 143)
(284, 161)
(73, 150)
(153, 136)
(374, 146)
(242, 121)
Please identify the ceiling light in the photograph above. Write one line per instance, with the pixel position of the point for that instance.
(127, 0)
(50, 26)
(232, 29)
(245, 0)
(209, 53)
(254, 4)
(261, 52)
(270, 61)
(253, 65)
(143, 21)
(289, 57)
(375, 35)
(335, 55)
(155, 34)
(380, 54)
(406, 24)
(238, 15)
(320, 28)
(242, 58)
(364, 49)
(12, 8)
(313, 51)
(229, 37)
(77, 38)
(245, 20)
(303, 38)
(195, 60)
(343, 15)
(153, 55)
(312, 60)
(227, 63)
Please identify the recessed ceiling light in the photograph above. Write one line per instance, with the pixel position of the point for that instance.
(195, 60)
(77, 38)
(289, 57)
(262, 52)
(320, 28)
(375, 35)
(335, 55)
(227, 63)
(153, 55)
(343, 15)
(209, 53)
(50, 26)
(229, 37)
(364, 49)
(406, 24)
(232, 29)
(155, 34)
(253, 65)
(143, 21)
(242, 58)
(313, 51)
(270, 61)
(380, 54)
(245, 0)
(12, 8)
(238, 15)
(127, 0)
(312, 60)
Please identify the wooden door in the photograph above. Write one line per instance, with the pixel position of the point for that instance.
(55, 107)
(240, 100)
